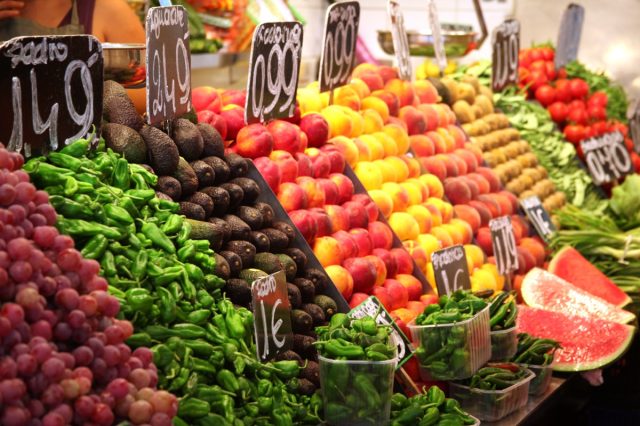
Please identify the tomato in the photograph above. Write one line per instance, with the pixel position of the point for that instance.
(597, 112)
(550, 70)
(589, 132)
(574, 133)
(620, 127)
(563, 91)
(524, 75)
(598, 98)
(538, 78)
(635, 159)
(628, 143)
(524, 59)
(562, 73)
(558, 111)
(577, 104)
(548, 53)
(546, 95)
(600, 127)
(536, 54)
(539, 65)
(578, 116)
(579, 88)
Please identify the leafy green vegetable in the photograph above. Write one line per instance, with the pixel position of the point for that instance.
(625, 202)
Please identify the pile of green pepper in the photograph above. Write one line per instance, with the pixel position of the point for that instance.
(444, 345)
(503, 311)
(497, 377)
(534, 350)
(432, 408)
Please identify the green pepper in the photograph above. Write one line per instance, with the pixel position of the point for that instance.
(367, 391)
(77, 149)
(435, 395)
(166, 276)
(71, 209)
(167, 305)
(95, 248)
(173, 225)
(139, 339)
(337, 412)
(151, 231)
(188, 331)
(162, 355)
(398, 401)
(408, 415)
(82, 228)
(184, 233)
(67, 161)
(286, 369)
(281, 417)
(140, 197)
(430, 417)
(199, 316)
(200, 347)
(210, 393)
(139, 299)
(460, 359)
(341, 348)
(187, 286)
(203, 366)
(204, 298)
(118, 214)
(193, 408)
(227, 380)
(139, 268)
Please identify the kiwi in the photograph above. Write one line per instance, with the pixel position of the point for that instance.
(239, 229)
(239, 291)
(170, 186)
(287, 229)
(204, 201)
(236, 194)
(298, 256)
(223, 227)
(295, 298)
(259, 240)
(222, 269)
(220, 168)
(234, 262)
(192, 210)
(220, 197)
(267, 213)
(250, 188)
(204, 172)
(213, 143)
(307, 289)
(278, 240)
(238, 165)
(251, 216)
(244, 249)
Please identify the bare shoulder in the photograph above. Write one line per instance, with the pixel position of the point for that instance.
(112, 6)
(128, 29)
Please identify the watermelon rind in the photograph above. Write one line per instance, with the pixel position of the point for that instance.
(542, 289)
(571, 266)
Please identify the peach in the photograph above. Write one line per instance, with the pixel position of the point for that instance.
(436, 189)
(431, 277)
(369, 175)
(339, 217)
(364, 68)
(475, 256)
(443, 235)
(429, 244)
(347, 96)
(422, 187)
(373, 121)
(313, 191)
(483, 239)
(269, 171)
(378, 105)
(449, 164)
(254, 141)
(306, 223)
(382, 294)
(415, 169)
(360, 87)
(425, 92)
(449, 141)
(446, 209)
(415, 306)
(383, 201)
(398, 194)
(387, 73)
(381, 235)
(457, 191)
(528, 260)
(474, 189)
(309, 100)
(469, 215)
(363, 272)
(475, 150)
(376, 149)
(457, 235)
(206, 98)
(364, 152)
(429, 299)
(339, 120)
(347, 243)
(381, 269)
(214, 120)
(363, 241)
(418, 254)
(286, 163)
(372, 80)
(234, 97)
(401, 168)
(536, 248)
(286, 136)
(506, 208)
(483, 211)
(348, 149)
(430, 116)
(390, 99)
(390, 146)
(336, 159)
(357, 298)
(292, 196)
(320, 163)
(304, 164)
(483, 280)
(434, 166)
(387, 170)
(369, 205)
(403, 89)
(439, 144)
(358, 217)
(459, 137)
(345, 187)
(491, 204)
(415, 195)
(512, 198)
(481, 182)
(388, 259)
(464, 228)
(521, 222)
(404, 225)
(398, 293)
(404, 261)
(422, 146)
(413, 118)
(328, 251)
(422, 215)
(342, 279)
(491, 177)
(316, 128)
(357, 123)
(436, 214)
(461, 165)
(444, 118)
(330, 189)
(413, 286)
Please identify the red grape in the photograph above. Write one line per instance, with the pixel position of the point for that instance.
(140, 412)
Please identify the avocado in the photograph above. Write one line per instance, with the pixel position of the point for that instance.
(213, 143)
(163, 196)
(295, 299)
(222, 269)
(233, 260)
(298, 256)
(289, 356)
(304, 345)
(206, 231)
(307, 289)
(259, 240)
(311, 371)
(249, 187)
(306, 387)
(187, 177)
(327, 304)
(187, 138)
(267, 212)
(268, 262)
(300, 320)
(239, 229)
(170, 186)
(239, 291)
(220, 197)
(316, 312)
(111, 88)
(120, 110)
(252, 274)
(204, 172)
(319, 279)
(126, 141)
(251, 216)
(278, 241)
(220, 168)
(289, 266)
(244, 249)
(192, 210)
(288, 230)
(238, 165)
(236, 194)
(161, 150)
(222, 227)
(190, 115)
(204, 201)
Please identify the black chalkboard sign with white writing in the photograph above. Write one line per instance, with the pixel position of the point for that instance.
(274, 68)
(505, 41)
(451, 270)
(168, 64)
(504, 244)
(606, 157)
(51, 91)
(569, 35)
(538, 216)
(339, 44)
(400, 42)
(634, 127)
(272, 315)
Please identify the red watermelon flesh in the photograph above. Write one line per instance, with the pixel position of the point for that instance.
(570, 265)
(542, 289)
(587, 343)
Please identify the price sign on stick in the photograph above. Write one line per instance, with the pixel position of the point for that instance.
(272, 315)
(51, 91)
(400, 42)
(504, 244)
(168, 63)
(339, 44)
(505, 41)
(274, 66)
(451, 270)
(538, 216)
(569, 35)
(607, 157)
(436, 33)
(634, 127)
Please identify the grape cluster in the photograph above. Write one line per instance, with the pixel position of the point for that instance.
(63, 356)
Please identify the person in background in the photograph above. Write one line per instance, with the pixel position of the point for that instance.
(111, 21)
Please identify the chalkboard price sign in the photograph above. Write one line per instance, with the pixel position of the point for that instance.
(504, 244)
(51, 91)
(274, 67)
(607, 157)
(451, 270)
(634, 127)
(339, 44)
(505, 40)
(272, 314)
(538, 216)
(400, 42)
(168, 64)
(569, 35)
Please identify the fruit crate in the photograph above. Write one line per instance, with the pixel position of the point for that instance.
(504, 344)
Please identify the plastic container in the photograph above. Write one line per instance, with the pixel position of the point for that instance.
(492, 405)
(466, 358)
(542, 379)
(504, 344)
(349, 391)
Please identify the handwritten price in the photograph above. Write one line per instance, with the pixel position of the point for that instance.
(340, 38)
(607, 157)
(506, 45)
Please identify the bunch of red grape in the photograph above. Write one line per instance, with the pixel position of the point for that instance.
(63, 356)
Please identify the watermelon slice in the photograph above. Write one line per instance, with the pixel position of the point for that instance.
(570, 265)
(587, 343)
(542, 289)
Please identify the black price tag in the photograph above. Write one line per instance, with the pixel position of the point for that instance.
(569, 35)
(340, 37)
(634, 127)
(436, 33)
(538, 216)
(451, 270)
(607, 157)
(274, 67)
(400, 42)
(272, 315)
(168, 63)
(372, 307)
(504, 244)
(51, 91)
(505, 41)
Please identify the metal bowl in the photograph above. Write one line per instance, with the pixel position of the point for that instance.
(458, 41)
(125, 63)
